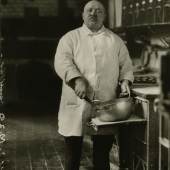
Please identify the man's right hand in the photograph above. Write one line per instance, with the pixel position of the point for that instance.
(80, 87)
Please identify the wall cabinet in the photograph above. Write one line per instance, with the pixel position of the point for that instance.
(142, 12)
(148, 11)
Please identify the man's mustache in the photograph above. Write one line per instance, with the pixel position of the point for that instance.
(93, 17)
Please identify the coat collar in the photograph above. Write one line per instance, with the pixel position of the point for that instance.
(89, 32)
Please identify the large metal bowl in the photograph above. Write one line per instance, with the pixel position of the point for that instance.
(115, 110)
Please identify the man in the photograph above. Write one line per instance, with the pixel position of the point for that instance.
(92, 61)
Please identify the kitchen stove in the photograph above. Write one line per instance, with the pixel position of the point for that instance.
(145, 80)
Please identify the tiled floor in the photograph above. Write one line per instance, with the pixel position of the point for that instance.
(32, 143)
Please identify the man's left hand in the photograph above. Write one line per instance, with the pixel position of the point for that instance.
(125, 89)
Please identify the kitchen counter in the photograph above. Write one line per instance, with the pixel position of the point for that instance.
(146, 137)
(146, 92)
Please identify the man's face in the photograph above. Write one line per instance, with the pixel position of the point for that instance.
(94, 15)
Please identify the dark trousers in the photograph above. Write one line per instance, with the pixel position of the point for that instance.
(102, 145)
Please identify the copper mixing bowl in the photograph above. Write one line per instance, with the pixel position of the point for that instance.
(115, 110)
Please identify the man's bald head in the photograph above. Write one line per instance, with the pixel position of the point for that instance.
(94, 15)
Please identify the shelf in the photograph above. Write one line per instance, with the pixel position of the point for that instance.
(96, 123)
(149, 25)
(145, 28)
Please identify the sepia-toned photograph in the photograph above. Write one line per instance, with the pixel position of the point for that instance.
(84, 85)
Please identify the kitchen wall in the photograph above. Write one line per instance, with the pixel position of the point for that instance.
(18, 8)
(30, 30)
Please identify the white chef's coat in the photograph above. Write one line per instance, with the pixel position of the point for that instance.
(102, 58)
